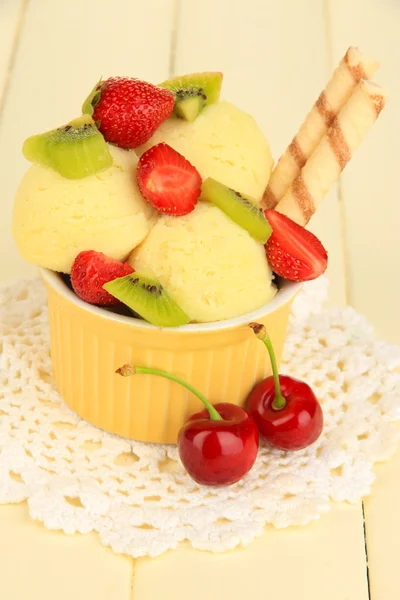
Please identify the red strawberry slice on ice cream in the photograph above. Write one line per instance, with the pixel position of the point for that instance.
(168, 181)
(293, 252)
(90, 271)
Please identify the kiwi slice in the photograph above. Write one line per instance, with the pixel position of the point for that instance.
(75, 150)
(240, 208)
(147, 298)
(93, 99)
(193, 92)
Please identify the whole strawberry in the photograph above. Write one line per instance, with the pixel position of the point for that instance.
(293, 252)
(128, 111)
(90, 271)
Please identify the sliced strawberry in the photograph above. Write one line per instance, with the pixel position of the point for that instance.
(90, 271)
(168, 181)
(128, 111)
(293, 252)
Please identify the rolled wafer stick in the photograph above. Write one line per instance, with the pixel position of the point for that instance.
(353, 67)
(333, 152)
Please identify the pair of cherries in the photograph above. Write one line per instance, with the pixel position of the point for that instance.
(219, 445)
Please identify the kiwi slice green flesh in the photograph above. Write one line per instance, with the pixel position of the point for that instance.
(147, 298)
(242, 209)
(189, 108)
(193, 92)
(75, 150)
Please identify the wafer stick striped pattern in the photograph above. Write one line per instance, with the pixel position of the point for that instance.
(354, 67)
(334, 151)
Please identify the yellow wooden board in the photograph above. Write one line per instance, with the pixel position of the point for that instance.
(382, 517)
(36, 564)
(276, 58)
(371, 214)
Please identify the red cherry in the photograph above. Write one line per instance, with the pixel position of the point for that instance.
(294, 426)
(218, 445)
(219, 452)
(286, 410)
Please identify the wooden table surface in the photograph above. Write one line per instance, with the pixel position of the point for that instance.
(276, 57)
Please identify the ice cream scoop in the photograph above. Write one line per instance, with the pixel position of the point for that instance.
(56, 218)
(223, 142)
(210, 265)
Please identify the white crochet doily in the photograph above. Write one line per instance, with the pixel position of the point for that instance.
(137, 496)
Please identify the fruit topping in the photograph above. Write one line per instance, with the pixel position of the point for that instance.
(242, 209)
(219, 452)
(90, 271)
(128, 111)
(293, 252)
(147, 298)
(75, 150)
(193, 92)
(218, 445)
(286, 410)
(168, 181)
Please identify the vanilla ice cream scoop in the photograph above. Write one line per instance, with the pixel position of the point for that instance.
(56, 218)
(223, 142)
(211, 266)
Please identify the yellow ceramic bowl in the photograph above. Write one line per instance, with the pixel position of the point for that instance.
(224, 360)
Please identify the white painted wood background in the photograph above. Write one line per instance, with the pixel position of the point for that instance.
(276, 57)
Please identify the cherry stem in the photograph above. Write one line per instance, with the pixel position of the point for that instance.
(261, 332)
(128, 370)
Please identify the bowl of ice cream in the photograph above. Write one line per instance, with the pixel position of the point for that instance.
(147, 220)
(222, 359)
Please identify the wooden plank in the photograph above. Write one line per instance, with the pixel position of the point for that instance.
(323, 560)
(383, 531)
(65, 49)
(371, 182)
(40, 564)
(371, 210)
(275, 63)
(11, 15)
